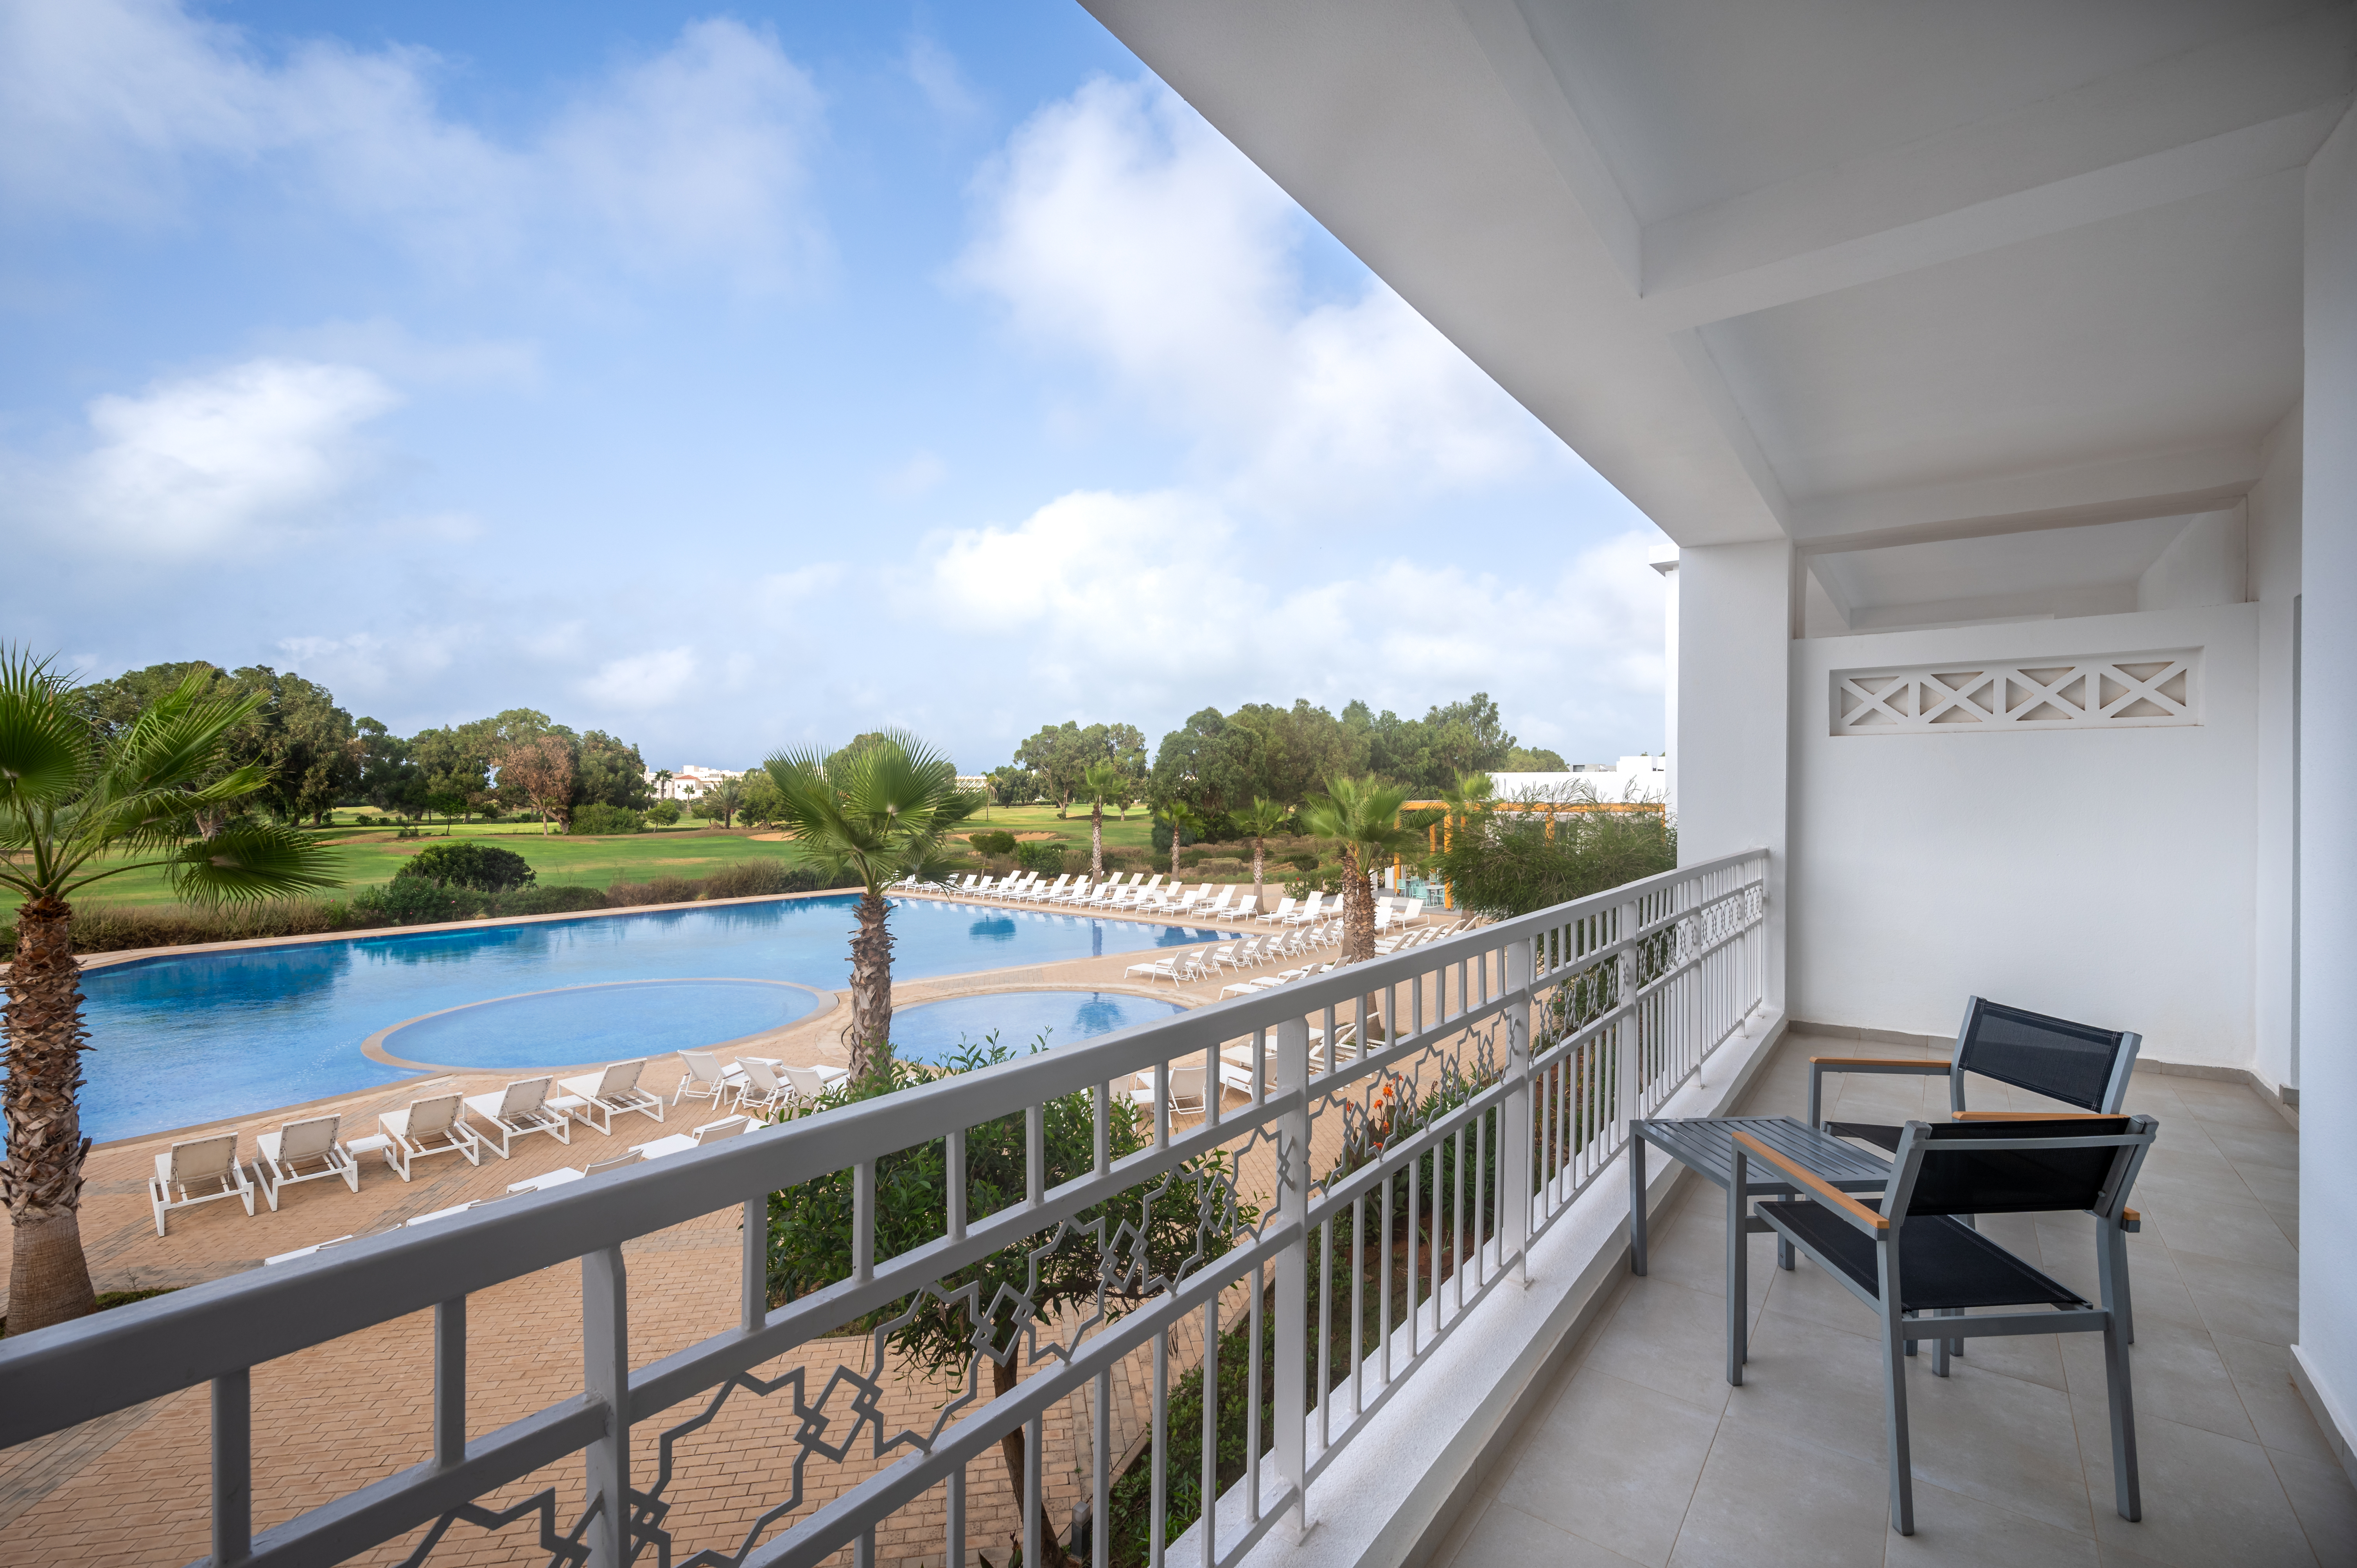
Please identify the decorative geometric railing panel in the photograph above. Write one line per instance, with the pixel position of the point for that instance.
(2111, 691)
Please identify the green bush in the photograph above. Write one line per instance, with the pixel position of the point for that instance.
(1512, 867)
(995, 842)
(1045, 856)
(661, 890)
(1302, 862)
(465, 863)
(598, 818)
(416, 900)
(99, 927)
(551, 901)
(666, 812)
(749, 879)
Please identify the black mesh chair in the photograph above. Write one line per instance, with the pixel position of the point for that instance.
(2077, 1064)
(1912, 1258)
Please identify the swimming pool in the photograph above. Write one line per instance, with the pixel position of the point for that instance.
(932, 1031)
(184, 1038)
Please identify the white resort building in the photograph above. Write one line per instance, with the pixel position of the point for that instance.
(687, 783)
(1993, 367)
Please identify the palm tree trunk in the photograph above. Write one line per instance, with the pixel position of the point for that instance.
(1259, 846)
(871, 985)
(1096, 843)
(1010, 1447)
(1358, 909)
(41, 1183)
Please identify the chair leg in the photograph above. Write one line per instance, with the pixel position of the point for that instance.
(1783, 1254)
(2127, 1493)
(1738, 1292)
(1894, 1411)
(2112, 1263)
(1636, 1206)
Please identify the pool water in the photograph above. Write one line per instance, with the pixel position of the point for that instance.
(932, 1031)
(180, 1040)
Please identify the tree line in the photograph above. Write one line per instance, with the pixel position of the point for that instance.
(313, 756)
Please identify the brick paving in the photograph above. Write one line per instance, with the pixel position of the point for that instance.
(133, 1487)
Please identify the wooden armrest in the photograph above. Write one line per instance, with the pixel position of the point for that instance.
(1916, 1064)
(1826, 1192)
(2131, 1220)
(2038, 1116)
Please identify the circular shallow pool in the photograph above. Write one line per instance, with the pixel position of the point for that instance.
(932, 1031)
(596, 1022)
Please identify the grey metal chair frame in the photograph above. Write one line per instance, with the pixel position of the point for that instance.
(1962, 1062)
(1885, 1228)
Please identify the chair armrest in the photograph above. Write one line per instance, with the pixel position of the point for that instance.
(1832, 1197)
(1820, 1065)
(2037, 1116)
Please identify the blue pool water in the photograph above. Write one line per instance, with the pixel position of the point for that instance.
(932, 1031)
(179, 1040)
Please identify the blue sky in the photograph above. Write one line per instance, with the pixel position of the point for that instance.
(738, 378)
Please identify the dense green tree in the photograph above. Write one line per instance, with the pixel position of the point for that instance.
(1060, 756)
(1220, 762)
(78, 804)
(308, 749)
(609, 771)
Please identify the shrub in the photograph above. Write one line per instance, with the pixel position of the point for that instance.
(748, 880)
(551, 901)
(463, 863)
(99, 927)
(1512, 867)
(995, 842)
(1043, 855)
(1302, 862)
(666, 812)
(418, 900)
(661, 890)
(596, 818)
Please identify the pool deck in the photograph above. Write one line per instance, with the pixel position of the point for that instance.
(120, 1490)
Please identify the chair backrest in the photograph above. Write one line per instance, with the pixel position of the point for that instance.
(1412, 910)
(1945, 1168)
(2077, 1064)
(620, 1078)
(309, 1139)
(597, 1167)
(427, 1117)
(523, 1096)
(806, 1080)
(204, 1159)
(712, 1131)
(1285, 906)
(1186, 1083)
(763, 1075)
(703, 1067)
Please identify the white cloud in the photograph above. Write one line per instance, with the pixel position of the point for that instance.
(1118, 224)
(694, 158)
(921, 473)
(782, 590)
(935, 71)
(642, 681)
(194, 464)
(399, 355)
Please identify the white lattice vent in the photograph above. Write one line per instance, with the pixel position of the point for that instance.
(2118, 691)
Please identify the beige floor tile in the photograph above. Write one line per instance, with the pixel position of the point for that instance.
(2271, 1185)
(1997, 1439)
(1691, 1250)
(1615, 1461)
(2177, 1376)
(2237, 1108)
(1813, 1293)
(2032, 1357)
(1467, 1518)
(1508, 1537)
(2326, 1505)
(2234, 1232)
(1670, 1339)
(2207, 1500)
(2262, 1374)
(2237, 1298)
(2277, 1148)
(1955, 1531)
(1768, 1502)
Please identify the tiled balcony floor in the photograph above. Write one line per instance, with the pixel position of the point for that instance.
(1642, 1454)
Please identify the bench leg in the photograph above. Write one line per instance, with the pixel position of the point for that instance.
(1894, 1405)
(1636, 1204)
(1738, 1293)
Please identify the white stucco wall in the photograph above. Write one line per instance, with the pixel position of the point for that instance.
(2327, 1351)
(2106, 875)
(1728, 744)
(2273, 513)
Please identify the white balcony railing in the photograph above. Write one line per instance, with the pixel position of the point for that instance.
(1522, 1050)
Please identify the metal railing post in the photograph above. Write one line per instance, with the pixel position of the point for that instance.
(450, 1381)
(606, 1377)
(1292, 1412)
(1514, 1151)
(232, 1467)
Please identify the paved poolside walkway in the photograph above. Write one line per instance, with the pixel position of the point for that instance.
(1642, 1454)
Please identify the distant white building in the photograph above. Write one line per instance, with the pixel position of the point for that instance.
(1643, 779)
(688, 783)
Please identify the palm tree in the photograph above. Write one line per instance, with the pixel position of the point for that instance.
(1181, 818)
(75, 811)
(1103, 781)
(1259, 820)
(1365, 816)
(1472, 793)
(878, 814)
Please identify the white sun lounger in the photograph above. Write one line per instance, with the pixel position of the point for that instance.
(1186, 1089)
(597, 1098)
(761, 1087)
(304, 1252)
(520, 1109)
(1159, 969)
(303, 1151)
(564, 1174)
(704, 1080)
(680, 1143)
(1283, 912)
(424, 1127)
(445, 1213)
(199, 1170)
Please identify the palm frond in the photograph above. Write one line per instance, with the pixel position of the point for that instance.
(47, 755)
(176, 741)
(243, 865)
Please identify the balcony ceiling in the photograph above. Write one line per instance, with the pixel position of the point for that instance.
(1834, 269)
